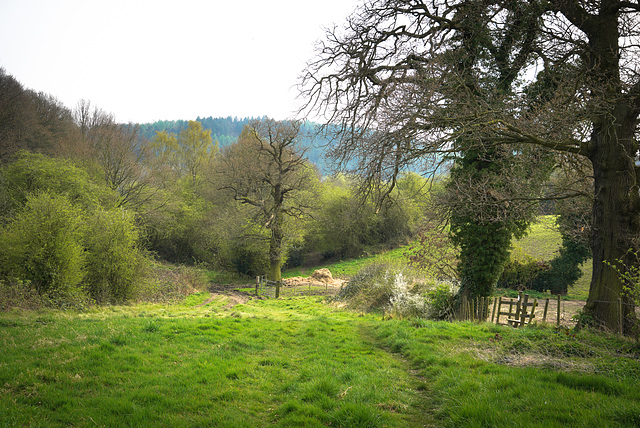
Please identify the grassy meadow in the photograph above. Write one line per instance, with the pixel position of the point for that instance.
(208, 361)
(302, 361)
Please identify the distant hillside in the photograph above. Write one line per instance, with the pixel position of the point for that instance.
(225, 130)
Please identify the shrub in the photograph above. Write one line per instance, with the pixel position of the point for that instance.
(35, 173)
(556, 275)
(163, 283)
(397, 290)
(114, 261)
(384, 286)
(565, 267)
(19, 294)
(522, 273)
(42, 245)
(441, 298)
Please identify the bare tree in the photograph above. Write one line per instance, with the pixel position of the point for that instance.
(118, 149)
(266, 169)
(391, 81)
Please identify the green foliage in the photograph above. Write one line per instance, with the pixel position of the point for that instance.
(442, 298)
(484, 251)
(249, 258)
(346, 225)
(185, 153)
(42, 245)
(565, 267)
(62, 239)
(556, 275)
(482, 195)
(178, 226)
(114, 261)
(522, 272)
(32, 173)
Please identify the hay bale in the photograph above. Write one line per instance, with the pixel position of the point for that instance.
(322, 275)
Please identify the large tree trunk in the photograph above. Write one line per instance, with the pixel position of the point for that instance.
(616, 219)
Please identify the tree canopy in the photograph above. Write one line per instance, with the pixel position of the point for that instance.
(554, 75)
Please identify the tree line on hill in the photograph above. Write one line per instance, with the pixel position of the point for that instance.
(86, 203)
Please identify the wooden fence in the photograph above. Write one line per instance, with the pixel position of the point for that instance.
(517, 311)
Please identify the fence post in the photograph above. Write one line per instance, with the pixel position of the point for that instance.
(493, 313)
(523, 310)
(257, 284)
(558, 319)
(546, 307)
(620, 315)
(277, 289)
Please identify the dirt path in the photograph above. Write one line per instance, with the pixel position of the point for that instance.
(229, 292)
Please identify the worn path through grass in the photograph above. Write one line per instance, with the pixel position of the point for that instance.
(300, 362)
(293, 362)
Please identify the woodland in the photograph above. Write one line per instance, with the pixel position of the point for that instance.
(499, 106)
(445, 134)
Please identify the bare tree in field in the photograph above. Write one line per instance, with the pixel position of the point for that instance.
(266, 169)
(395, 85)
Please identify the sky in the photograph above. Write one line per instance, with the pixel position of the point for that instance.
(145, 61)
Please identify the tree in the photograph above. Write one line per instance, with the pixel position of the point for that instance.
(117, 149)
(393, 78)
(186, 153)
(266, 169)
(32, 121)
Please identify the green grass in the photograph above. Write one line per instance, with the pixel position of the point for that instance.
(347, 268)
(301, 362)
(283, 363)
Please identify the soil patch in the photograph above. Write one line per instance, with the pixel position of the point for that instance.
(229, 291)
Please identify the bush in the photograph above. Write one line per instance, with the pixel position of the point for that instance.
(441, 297)
(42, 245)
(523, 274)
(557, 275)
(19, 294)
(384, 286)
(114, 261)
(35, 173)
(249, 259)
(163, 283)
(398, 291)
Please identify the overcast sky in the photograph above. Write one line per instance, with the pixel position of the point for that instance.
(148, 60)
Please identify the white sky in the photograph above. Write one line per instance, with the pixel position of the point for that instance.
(148, 60)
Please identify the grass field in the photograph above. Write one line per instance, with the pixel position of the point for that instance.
(302, 362)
